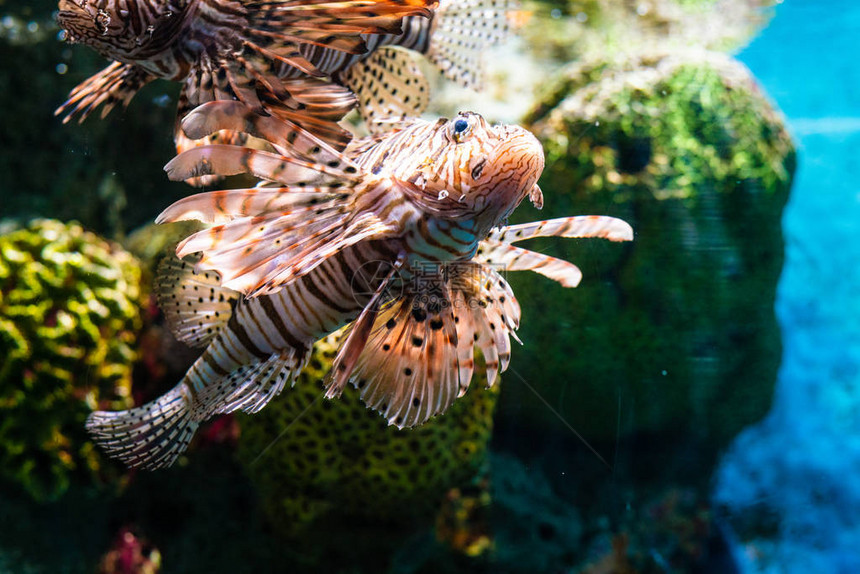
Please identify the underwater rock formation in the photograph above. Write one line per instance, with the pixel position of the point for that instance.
(311, 457)
(675, 338)
(565, 30)
(70, 310)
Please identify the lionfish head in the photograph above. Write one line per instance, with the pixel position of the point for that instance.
(483, 171)
(116, 29)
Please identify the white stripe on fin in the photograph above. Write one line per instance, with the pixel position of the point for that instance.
(251, 387)
(195, 305)
(610, 228)
(512, 258)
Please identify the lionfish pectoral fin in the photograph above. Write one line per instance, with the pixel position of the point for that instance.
(115, 84)
(390, 88)
(357, 335)
(294, 231)
(463, 31)
(512, 258)
(580, 226)
(408, 370)
(150, 436)
(194, 303)
(488, 314)
(498, 250)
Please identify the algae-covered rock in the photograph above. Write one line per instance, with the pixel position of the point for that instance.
(674, 335)
(311, 457)
(565, 30)
(69, 315)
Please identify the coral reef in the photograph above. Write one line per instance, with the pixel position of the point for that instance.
(673, 338)
(130, 554)
(310, 456)
(69, 315)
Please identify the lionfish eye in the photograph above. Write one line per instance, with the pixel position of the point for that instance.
(460, 129)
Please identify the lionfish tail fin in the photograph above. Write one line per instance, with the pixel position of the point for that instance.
(151, 436)
(390, 88)
(116, 84)
(464, 29)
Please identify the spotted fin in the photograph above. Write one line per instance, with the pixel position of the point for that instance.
(151, 436)
(194, 303)
(116, 84)
(390, 88)
(408, 369)
(464, 29)
(154, 435)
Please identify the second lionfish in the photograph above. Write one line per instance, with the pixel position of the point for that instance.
(403, 238)
(308, 61)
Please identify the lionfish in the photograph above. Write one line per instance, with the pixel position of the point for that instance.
(293, 58)
(402, 237)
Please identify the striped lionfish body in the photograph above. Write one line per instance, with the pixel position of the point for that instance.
(229, 49)
(401, 238)
(281, 56)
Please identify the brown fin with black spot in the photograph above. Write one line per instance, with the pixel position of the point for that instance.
(408, 368)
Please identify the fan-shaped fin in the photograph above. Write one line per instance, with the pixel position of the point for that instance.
(408, 370)
(390, 88)
(464, 29)
(194, 303)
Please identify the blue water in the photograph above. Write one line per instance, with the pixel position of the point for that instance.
(800, 468)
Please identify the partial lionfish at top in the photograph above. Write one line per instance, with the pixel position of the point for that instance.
(228, 49)
(225, 49)
(401, 238)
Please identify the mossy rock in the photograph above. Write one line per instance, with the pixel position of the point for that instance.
(314, 459)
(672, 336)
(70, 311)
(567, 30)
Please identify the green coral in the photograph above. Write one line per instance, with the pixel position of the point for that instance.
(69, 315)
(310, 456)
(672, 336)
